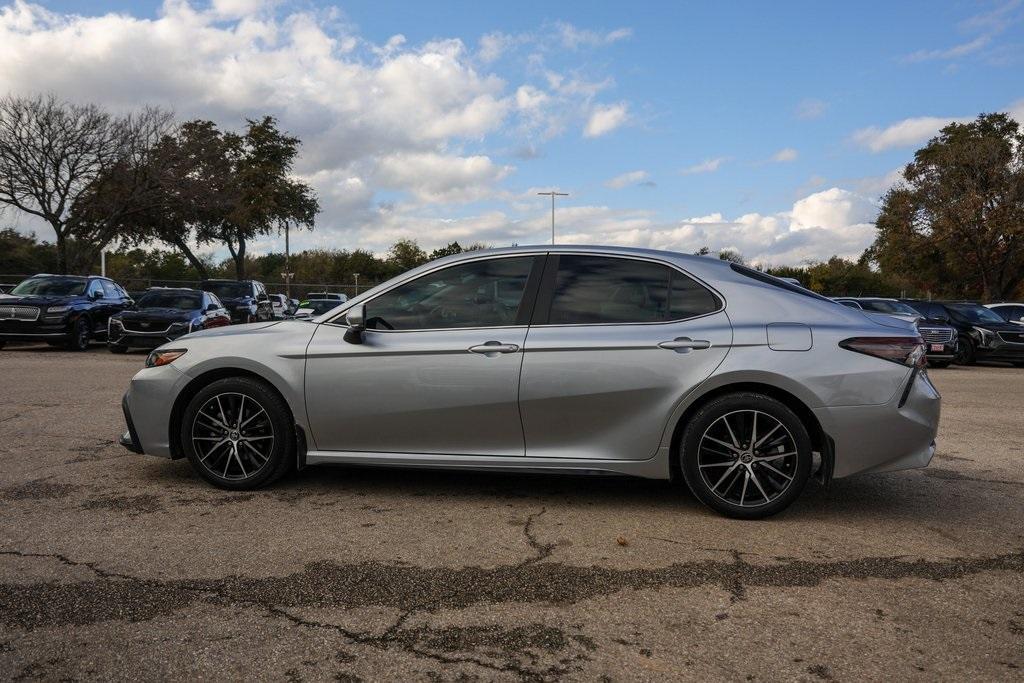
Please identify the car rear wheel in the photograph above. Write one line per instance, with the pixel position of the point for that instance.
(238, 434)
(964, 351)
(746, 455)
(78, 340)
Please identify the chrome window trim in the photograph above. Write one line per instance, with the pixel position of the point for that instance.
(546, 252)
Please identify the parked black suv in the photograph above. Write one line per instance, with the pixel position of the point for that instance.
(63, 310)
(246, 300)
(162, 315)
(981, 333)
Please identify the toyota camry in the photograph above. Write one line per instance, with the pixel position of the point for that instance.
(592, 360)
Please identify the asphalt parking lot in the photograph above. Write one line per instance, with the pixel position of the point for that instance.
(119, 566)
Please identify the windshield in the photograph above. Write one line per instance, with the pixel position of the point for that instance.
(974, 313)
(319, 306)
(183, 301)
(50, 286)
(228, 290)
(883, 306)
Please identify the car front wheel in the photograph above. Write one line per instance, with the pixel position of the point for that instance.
(964, 351)
(746, 455)
(78, 340)
(238, 434)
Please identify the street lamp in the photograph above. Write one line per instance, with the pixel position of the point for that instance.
(553, 194)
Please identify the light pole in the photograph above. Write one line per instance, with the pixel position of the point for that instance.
(553, 194)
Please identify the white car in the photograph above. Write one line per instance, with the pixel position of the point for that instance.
(1010, 312)
(279, 303)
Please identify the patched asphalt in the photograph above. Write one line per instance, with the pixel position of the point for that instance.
(117, 566)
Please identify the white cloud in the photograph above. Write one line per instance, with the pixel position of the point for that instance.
(706, 166)
(574, 38)
(811, 108)
(827, 223)
(606, 118)
(784, 155)
(627, 179)
(905, 133)
(433, 177)
(961, 50)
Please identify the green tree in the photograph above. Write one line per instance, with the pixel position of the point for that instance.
(264, 196)
(956, 225)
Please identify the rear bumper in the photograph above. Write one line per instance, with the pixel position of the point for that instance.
(893, 436)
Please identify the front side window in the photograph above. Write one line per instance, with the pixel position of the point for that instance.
(96, 288)
(607, 290)
(476, 294)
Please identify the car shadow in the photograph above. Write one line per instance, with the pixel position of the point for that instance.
(936, 496)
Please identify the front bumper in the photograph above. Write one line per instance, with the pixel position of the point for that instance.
(129, 439)
(1001, 350)
(897, 435)
(38, 330)
(147, 409)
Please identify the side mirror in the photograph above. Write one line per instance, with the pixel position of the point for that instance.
(355, 318)
(210, 308)
(96, 294)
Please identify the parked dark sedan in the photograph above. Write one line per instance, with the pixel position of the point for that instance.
(162, 315)
(246, 300)
(62, 310)
(981, 333)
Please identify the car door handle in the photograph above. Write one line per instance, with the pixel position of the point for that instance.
(493, 348)
(685, 344)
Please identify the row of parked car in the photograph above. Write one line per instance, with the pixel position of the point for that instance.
(72, 311)
(956, 331)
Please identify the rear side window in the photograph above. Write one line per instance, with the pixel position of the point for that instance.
(776, 282)
(607, 290)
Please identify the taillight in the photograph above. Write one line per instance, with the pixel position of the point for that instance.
(909, 351)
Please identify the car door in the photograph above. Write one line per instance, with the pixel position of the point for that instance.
(438, 368)
(614, 345)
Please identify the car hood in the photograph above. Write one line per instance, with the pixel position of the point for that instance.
(161, 314)
(997, 327)
(38, 300)
(234, 330)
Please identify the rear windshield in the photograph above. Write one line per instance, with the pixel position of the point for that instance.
(182, 301)
(228, 290)
(883, 306)
(776, 282)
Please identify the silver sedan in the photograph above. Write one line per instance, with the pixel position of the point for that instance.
(560, 359)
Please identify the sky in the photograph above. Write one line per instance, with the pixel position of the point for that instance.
(771, 129)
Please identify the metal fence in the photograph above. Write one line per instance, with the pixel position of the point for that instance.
(299, 290)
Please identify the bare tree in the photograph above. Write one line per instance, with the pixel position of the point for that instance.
(54, 156)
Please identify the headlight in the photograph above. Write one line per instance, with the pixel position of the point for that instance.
(57, 309)
(163, 357)
(987, 336)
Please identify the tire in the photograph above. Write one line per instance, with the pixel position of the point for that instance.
(117, 348)
(708, 447)
(80, 335)
(964, 351)
(1016, 365)
(938, 364)
(3, 343)
(231, 464)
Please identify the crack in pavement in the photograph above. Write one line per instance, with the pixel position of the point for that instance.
(373, 584)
